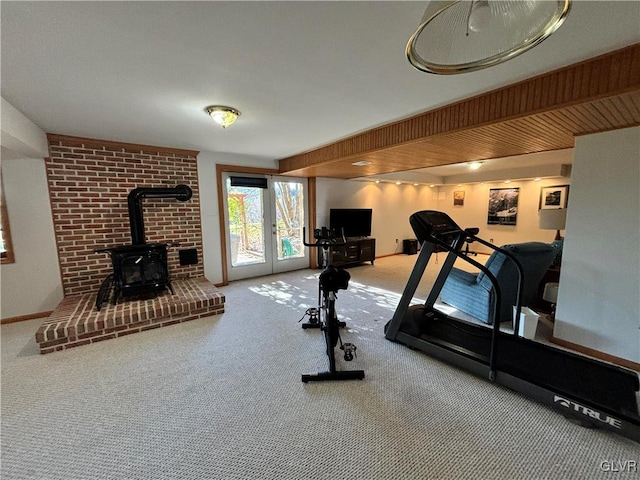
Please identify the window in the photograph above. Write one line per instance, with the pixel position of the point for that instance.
(6, 251)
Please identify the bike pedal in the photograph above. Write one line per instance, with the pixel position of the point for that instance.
(349, 351)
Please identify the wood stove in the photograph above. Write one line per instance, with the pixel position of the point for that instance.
(140, 268)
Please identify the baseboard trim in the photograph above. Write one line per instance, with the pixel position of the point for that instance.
(22, 318)
(388, 255)
(623, 362)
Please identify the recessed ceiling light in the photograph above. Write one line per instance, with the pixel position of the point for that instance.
(398, 183)
(537, 179)
(475, 165)
(432, 185)
(362, 163)
(377, 181)
(416, 184)
(507, 181)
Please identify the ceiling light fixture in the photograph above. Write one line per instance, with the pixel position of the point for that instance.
(458, 36)
(479, 16)
(223, 116)
(361, 163)
(475, 165)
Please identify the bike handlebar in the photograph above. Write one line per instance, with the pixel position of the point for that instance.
(325, 237)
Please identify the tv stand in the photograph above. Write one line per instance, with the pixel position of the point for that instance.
(357, 250)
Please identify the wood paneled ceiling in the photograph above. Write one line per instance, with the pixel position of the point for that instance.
(540, 114)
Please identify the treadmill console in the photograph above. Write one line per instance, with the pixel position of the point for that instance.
(432, 224)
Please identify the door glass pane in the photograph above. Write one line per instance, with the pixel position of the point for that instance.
(246, 229)
(289, 198)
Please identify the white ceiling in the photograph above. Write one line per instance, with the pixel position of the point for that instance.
(303, 74)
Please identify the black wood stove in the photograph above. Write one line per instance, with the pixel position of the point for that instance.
(140, 268)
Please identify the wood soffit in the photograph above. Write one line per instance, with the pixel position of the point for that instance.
(543, 113)
(82, 142)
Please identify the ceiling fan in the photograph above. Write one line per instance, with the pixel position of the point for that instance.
(458, 36)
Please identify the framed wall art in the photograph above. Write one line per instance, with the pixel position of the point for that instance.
(458, 198)
(552, 198)
(503, 206)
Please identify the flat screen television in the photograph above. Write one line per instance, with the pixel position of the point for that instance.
(355, 221)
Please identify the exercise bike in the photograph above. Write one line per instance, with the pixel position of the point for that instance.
(325, 317)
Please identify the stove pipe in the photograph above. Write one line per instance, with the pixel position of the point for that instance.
(134, 201)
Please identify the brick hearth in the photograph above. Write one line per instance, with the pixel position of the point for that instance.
(76, 321)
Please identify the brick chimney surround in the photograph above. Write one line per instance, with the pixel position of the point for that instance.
(89, 181)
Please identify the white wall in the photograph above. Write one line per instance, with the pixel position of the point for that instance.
(599, 296)
(393, 204)
(476, 206)
(20, 135)
(31, 284)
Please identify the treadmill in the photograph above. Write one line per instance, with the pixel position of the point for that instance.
(588, 391)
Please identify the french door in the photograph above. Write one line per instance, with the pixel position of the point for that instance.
(264, 218)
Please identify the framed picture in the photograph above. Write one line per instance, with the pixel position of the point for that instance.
(552, 198)
(503, 206)
(458, 198)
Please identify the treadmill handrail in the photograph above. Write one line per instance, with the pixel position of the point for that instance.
(325, 238)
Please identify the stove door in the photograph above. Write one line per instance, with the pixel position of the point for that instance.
(138, 268)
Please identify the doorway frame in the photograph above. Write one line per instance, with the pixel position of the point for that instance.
(311, 207)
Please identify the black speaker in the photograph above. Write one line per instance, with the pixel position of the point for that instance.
(410, 247)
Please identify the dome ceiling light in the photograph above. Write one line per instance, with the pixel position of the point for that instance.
(223, 116)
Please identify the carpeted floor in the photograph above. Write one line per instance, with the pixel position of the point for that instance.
(221, 398)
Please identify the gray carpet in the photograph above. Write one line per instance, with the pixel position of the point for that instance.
(221, 398)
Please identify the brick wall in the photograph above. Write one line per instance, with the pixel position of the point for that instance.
(89, 181)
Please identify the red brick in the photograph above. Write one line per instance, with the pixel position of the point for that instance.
(77, 320)
(128, 332)
(104, 337)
